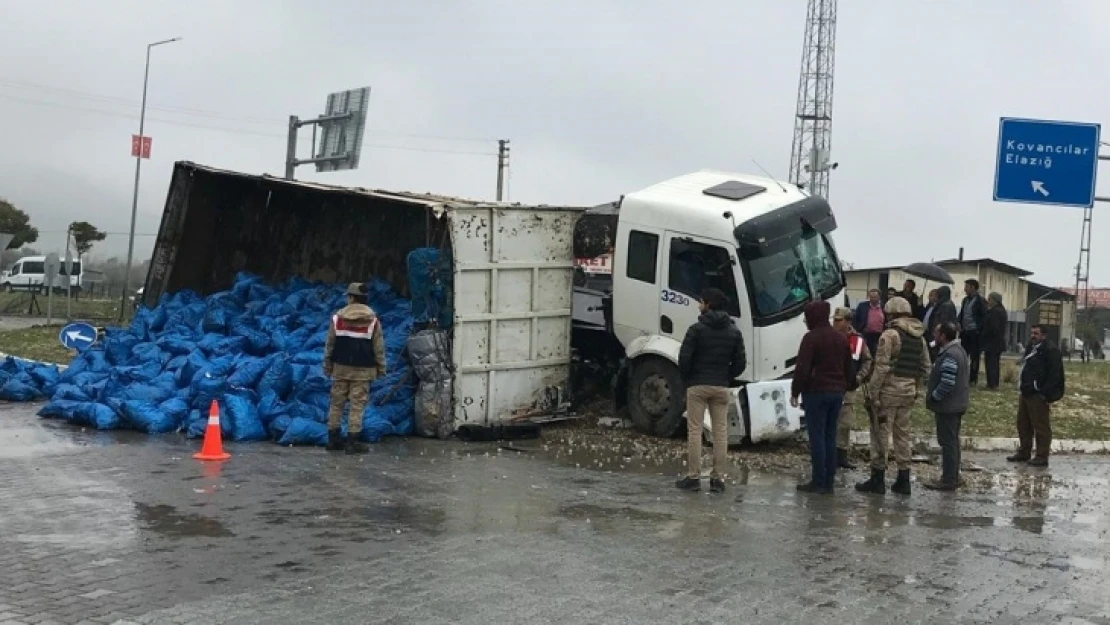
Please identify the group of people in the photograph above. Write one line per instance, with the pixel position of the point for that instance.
(882, 357)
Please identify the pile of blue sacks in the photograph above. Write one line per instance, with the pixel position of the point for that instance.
(257, 350)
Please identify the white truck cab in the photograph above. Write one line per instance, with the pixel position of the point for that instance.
(766, 244)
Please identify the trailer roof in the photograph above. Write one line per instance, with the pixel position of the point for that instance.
(431, 200)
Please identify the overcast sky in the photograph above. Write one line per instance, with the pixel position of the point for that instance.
(599, 98)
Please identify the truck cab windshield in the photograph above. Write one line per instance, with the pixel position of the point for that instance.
(785, 279)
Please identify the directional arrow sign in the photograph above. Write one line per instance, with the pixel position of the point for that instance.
(1046, 162)
(77, 336)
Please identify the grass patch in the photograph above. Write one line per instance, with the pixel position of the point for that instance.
(17, 303)
(1083, 413)
(40, 343)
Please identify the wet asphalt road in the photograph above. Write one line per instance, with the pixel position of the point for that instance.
(122, 528)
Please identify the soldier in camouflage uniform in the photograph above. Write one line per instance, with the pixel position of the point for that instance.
(354, 356)
(901, 364)
(861, 357)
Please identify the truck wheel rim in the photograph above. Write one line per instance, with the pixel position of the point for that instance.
(655, 395)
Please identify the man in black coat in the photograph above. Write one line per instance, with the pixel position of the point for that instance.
(1042, 384)
(943, 312)
(973, 311)
(993, 338)
(712, 356)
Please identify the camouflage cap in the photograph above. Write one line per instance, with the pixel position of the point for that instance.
(356, 288)
(842, 313)
(898, 306)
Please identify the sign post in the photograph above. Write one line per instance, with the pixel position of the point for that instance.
(69, 277)
(1046, 162)
(50, 274)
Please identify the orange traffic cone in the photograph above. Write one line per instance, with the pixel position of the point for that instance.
(213, 446)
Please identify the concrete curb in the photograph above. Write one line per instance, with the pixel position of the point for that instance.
(60, 366)
(986, 443)
(862, 438)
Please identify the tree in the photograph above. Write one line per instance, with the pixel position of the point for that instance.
(17, 222)
(84, 236)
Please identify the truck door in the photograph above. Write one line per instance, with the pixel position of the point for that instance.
(636, 283)
(693, 265)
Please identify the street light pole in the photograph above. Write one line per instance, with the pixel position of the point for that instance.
(138, 167)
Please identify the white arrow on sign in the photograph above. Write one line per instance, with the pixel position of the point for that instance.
(75, 335)
(1038, 187)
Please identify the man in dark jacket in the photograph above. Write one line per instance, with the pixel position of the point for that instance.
(711, 357)
(947, 395)
(823, 373)
(943, 312)
(1042, 384)
(909, 293)
(972, 313)
(994, 338)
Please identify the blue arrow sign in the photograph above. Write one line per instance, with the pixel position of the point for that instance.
(79, 336)
(1046, 162)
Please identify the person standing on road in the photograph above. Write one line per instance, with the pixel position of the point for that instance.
(1042, 384)
(901, 362)
(861, 359)
(354, 356)
(929, 307)
(823, 373)
(947, 395)
(944, 312)
(711, 358)
(994, 338)
(973, 312)
(869, 319)
(909, 292)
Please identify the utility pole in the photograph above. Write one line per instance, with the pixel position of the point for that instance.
(502, 165)
(135, 194)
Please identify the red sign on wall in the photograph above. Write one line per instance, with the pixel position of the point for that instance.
(140, 146)
(599, 264)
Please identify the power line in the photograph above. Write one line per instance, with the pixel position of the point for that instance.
(138, 234)
(113, 100)
(240, 131)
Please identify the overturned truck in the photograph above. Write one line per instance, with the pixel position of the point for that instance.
(500, 291)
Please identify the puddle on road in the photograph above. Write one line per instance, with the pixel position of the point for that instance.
(168, 521)
(627, 513)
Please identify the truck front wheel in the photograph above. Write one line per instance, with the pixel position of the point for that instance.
(656, 397)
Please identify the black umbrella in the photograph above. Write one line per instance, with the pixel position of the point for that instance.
(929, 271)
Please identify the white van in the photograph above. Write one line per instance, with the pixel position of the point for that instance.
(28, 273)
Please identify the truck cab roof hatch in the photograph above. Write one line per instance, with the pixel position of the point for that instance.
(734, 190)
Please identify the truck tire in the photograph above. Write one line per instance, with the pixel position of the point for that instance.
(656, 397)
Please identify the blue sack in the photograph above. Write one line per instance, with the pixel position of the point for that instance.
(15, 390)
(70, 392)
(278, 378)
(305, 432)
(248, 372)
(148, 417)
(59, 409)
(242, 416)
(97, 415)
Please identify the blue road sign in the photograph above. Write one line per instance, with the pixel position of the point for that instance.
(79, 336)
(1046, 162)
